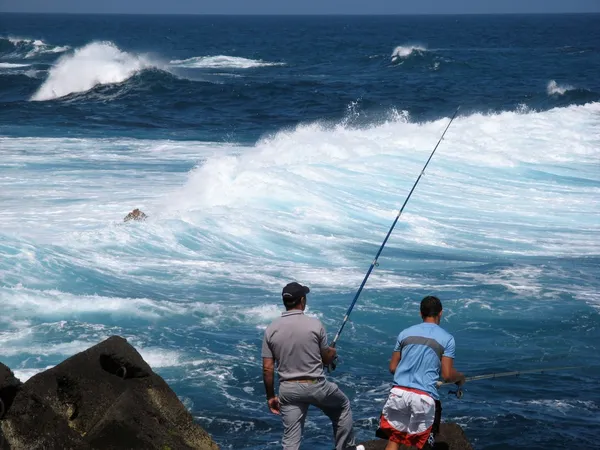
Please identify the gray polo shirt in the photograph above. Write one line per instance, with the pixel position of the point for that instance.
(295, 341)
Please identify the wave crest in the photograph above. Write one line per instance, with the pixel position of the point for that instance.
(222, 62)
(553, 88)
(404, 51)
(30, 48)
(4, 65)
(97, 63)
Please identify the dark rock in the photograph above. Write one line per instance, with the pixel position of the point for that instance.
(9, 386)
(136, 214)
(451, 437)
(106, 397)
(32, 424)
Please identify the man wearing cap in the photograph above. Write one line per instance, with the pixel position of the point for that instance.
(298, 344)
(412, 412)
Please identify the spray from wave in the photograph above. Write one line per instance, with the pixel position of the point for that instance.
(222, 62)
(98, 63)
(404, 51)
(553, 88)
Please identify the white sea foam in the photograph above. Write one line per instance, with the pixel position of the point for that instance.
(561, 406)
(320, 175)
(23, 302)
(303, 203)
(524, 280)
(30, 48)
(95, 64)
(158, 357)
(61, 348)
(404, 51)
(25, 374)
(303, 199)
(4, 65)
(553, 88)
(42, 48)
(222, 62)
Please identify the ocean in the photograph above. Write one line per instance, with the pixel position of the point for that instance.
(271, 149)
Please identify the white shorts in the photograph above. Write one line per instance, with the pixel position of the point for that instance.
(407, 417)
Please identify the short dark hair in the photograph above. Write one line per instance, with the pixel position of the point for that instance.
(291, 302)
(431, 306)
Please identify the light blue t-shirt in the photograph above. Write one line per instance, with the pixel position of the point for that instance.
(422, 347)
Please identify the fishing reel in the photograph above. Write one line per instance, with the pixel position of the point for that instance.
(458, 393)
(331, 367)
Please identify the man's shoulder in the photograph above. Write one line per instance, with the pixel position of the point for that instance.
(414, 330)
(307, 321)
(310, 322)
(443, 331)
(442, 336)
(273, 325)
(427, 330)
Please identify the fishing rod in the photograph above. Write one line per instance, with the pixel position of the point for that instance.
(374, 263)
(459, 392)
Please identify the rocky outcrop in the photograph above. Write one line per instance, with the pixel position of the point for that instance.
(451, 437)
(136, 214)
(9, 387)
(106, 397)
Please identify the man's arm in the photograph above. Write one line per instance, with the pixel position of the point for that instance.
(269, 377)
(449, 373)
(269, 381)
(328, 353)
(396, 356)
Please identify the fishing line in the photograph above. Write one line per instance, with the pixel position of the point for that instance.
(374, 263)
(489, 376)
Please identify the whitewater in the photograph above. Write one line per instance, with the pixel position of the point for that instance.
(260, 161)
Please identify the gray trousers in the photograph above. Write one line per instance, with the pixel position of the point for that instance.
(295, 398)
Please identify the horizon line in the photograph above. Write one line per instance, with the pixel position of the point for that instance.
(305, 14)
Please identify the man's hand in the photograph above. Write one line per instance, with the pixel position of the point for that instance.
(328, 355)
(274, 405)
(461, 380)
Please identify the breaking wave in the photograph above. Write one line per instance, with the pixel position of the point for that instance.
(12, 66)
(222, 62)
(404, 51)
(97, 63)
(29, 48)
(553, 88)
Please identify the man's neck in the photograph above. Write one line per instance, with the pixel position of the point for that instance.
(433, 320)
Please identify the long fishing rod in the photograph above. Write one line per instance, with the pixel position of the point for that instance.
(374, 263)
(488, 376)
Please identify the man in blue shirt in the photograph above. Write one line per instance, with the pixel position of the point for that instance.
(412, 412)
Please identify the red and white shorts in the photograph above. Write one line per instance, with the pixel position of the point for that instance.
(407, 417)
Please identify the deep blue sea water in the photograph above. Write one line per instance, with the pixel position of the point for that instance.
(267, 149)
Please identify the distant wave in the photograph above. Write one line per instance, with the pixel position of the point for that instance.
(404, 51)
(97, 63)
(30, 48)
(12, 66)
(553, 88)
(222, 62)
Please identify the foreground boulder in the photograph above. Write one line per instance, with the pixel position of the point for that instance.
(9, 386)
(106, 397)
(451, 437)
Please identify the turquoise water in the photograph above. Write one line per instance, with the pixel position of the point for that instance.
(266, 150)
